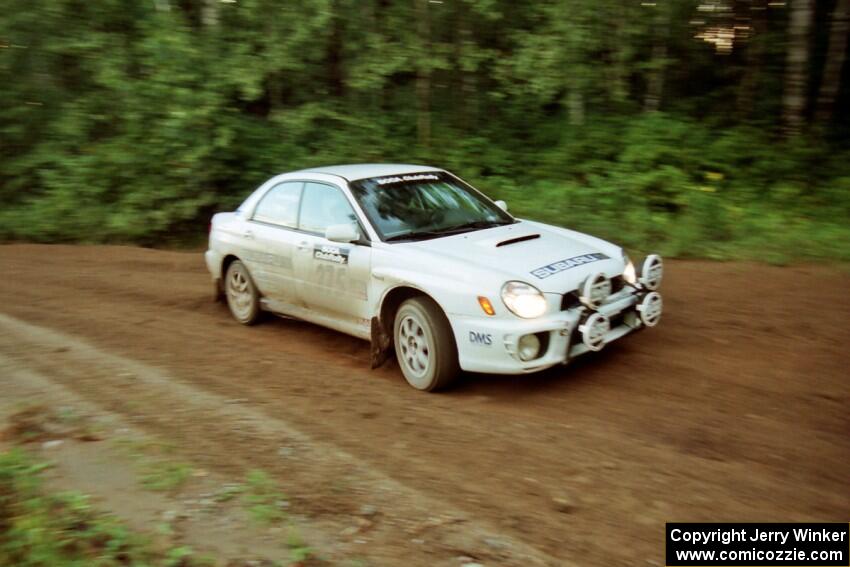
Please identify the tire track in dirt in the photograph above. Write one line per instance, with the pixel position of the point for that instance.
(310, 470)
(734, 408)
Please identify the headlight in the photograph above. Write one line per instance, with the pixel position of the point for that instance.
(629, 273)
(523, 300)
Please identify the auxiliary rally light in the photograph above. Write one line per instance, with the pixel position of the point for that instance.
(651, 272)
(650, 308)
(593, 331)
(595, 289)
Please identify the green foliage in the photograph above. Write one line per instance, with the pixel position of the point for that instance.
(63, 530)
(299, 551)
(263, 499)
(685, 190)
(135, 121)
(166, 475)
(229, 492)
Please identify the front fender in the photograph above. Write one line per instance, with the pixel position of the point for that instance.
(453, 296)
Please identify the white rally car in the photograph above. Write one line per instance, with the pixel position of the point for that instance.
(415, 260)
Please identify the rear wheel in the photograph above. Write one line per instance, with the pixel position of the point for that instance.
(242, 296)
(424, 345)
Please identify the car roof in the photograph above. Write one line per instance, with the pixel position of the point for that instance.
(356, 171)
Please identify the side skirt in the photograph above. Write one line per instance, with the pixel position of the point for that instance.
(290, 311)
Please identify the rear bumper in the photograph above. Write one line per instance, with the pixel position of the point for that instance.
(213, 260)
(490, 345)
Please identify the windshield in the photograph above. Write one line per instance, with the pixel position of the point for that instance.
(416, 206)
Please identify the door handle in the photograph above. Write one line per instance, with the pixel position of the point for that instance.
(249, 234)
(303, 245)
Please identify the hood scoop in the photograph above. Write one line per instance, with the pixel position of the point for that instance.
(517, 239)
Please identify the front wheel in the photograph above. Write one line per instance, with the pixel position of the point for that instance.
(424, 345)
(242, 296)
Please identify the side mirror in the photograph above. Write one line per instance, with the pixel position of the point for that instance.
(343, 233)
(502, 205)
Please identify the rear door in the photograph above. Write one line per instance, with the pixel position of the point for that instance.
(271, 237)
(332, 277)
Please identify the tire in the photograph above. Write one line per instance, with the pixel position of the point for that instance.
(425, 345)
(242, 297)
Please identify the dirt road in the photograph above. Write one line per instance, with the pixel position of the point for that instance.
(734, 409)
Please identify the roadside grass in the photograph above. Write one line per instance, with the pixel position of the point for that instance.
(142, 448)
(166, 475)
(228, 492)
(157, 471)
(299, 551)
(262, 498)
(258, 494)
(28, 424)
(64, 530)
(31, 423)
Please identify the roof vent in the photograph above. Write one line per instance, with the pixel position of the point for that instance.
(517, 239)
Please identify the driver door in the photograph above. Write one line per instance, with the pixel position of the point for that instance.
(331, 277)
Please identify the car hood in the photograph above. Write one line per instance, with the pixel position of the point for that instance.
(553, 259)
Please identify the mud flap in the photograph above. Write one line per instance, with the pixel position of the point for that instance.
(380, 351)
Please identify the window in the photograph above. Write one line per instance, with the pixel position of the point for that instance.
(323, 206)
(280, 204)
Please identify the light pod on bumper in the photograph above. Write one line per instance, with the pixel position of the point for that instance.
(650, 308)
(593, 331)
(595, 289)
(651, 272)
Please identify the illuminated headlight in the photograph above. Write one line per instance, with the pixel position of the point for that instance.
(528, 347)
(524, 300)
(629, 273)
(652, 272)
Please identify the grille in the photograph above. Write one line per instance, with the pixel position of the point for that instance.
(618, 319)
(570, 299)
(617, 283)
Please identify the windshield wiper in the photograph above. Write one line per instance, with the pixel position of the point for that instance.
(454, 229)
(474, 225)
(414, 235)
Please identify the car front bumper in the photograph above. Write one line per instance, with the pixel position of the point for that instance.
(489, 344)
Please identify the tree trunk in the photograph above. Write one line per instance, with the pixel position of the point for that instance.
(831, 81)
(796, 66)
(336, 78)
(423, 77)
(619, 46)
(209, 13)
(753, 59)
(462, 78)
(655, 84)
(655, 81)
